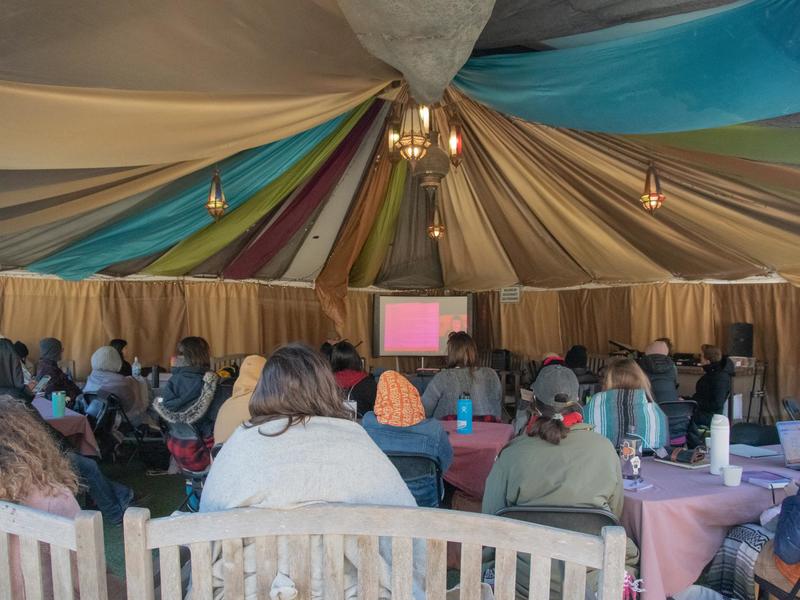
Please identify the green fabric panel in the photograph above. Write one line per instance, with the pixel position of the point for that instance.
(369, 261)
(767, 144)
(193, 250)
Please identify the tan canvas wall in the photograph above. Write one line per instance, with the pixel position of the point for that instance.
(252, 318)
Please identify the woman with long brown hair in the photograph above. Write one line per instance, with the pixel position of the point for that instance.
(626, 406)
(300, 446)
(463, 376)
(556, 461)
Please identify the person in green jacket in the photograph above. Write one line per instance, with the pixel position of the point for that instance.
(557, 461)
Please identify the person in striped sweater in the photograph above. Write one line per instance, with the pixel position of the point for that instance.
(626, 406)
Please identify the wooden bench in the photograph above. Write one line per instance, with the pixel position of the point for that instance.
(39, 531)
(333, 522)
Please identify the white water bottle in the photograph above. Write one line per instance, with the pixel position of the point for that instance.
(720, 443)
(136, 367)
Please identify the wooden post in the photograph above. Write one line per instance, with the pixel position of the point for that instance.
(138, 557)
(612, 577)
(91, 555)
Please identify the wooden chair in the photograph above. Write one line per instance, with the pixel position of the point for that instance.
(37, 530)
(229, 360)
(367, 523)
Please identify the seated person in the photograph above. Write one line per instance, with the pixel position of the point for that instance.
(111, 498)
(714, 386)
(236, 409)
(461, 376)
(119, 346)
(12, 379)
(28, 368)
(37, 475)
(661, 371)
(356, 385)
(106, 377)
(626, 406)
(557, 461)
(300, 447)
(556, 381)
(398, 425)
(189, 404)
(51, 351)
(577, 359)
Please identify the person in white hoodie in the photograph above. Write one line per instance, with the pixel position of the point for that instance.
(300, 447)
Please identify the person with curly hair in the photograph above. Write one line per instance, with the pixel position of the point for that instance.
(34, 472)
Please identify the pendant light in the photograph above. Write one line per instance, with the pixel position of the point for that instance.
(216, 204)
(653, 197)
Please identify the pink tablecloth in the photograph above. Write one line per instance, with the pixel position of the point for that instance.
(73, 426)
(680, 523)
(474, 454)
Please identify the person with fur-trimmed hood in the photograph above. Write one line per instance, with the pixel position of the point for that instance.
(189, 404)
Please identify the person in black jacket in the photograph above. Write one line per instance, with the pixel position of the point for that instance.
(119, 345)
(355, 384)
(661, 371)
(714, 387)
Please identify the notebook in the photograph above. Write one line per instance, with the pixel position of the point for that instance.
(766, 479)
(751, 451)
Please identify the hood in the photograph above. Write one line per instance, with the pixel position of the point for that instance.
(249, 374)
(725, 365)
(50, 349)
(656, 363)
(106, 358)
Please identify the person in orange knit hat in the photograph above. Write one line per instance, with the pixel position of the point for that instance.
(399, 427)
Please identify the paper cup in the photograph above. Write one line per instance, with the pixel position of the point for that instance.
(732, 475)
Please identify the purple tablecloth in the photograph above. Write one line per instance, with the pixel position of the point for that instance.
(73, 426)
(474, 454)
(681, 522)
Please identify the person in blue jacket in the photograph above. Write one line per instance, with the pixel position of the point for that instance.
(398, 426)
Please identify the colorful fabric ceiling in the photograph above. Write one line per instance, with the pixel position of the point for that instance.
(114, 122)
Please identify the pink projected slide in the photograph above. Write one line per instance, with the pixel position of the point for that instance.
(412, 327)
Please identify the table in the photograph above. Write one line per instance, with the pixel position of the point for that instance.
(680, 523)
(474, 454)
(73, 426)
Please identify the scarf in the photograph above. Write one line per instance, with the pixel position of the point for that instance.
(348, 378)
(397, 401)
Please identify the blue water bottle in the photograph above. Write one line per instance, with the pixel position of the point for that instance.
(464, 414)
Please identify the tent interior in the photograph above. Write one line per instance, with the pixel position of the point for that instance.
(117, 118)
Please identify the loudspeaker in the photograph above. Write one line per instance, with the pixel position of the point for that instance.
(740, 339)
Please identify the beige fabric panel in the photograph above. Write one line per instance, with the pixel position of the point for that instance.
(555, 219)
(237, 317)
(472, 255)
(229, 313)
(532, 327)
(128, 128)
(664, 310)
(774, 311)
(593, 316)
(138, 84)
(79, 203)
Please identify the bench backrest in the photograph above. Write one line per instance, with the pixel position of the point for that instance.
(368, 524)
(37, 531)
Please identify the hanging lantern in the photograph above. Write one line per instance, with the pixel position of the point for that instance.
(393, 137)
(216, 204)
(436, 229)
(652, 198)
(414, 141)
(455, 146)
